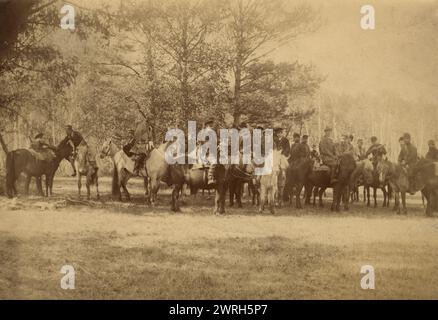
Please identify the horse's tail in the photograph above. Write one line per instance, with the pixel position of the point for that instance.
(10, 174)
(115, 188)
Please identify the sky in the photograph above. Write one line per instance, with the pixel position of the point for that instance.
(400, 56)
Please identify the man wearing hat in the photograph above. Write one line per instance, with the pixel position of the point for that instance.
(328, 152)
(304, 142)
(408, 158)
(74, 138)
(297, 150)
(376, 149)
(360, 150)
(281, 142)
(432, 154)
(138, 157)
(345, 147)
(211, 175)
(40, 145)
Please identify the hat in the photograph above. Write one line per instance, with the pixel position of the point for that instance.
(260, 127)
(278, 129)
(39, 135)
(68, 126)
(296, 135)
(431, 142)
(209, 121)
(406, 135)
(131, 130)
(327, 129)
(243, 125)
(305, 136)
(373, 138)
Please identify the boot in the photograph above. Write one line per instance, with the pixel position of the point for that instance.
(333, 177)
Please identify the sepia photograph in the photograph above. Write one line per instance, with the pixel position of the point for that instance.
(218, 150)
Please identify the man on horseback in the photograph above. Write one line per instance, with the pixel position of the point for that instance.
(360, 150)
(432, 154)
(329, 156)
(40, 146)
(304, 142)
(298, 151)
(74, 138)
(376, 149)
(408, 157)
(138, 157)
(211, 175)
(281, 142)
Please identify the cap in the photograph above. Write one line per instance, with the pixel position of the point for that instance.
(209, 121)
(327, 129)
(406, 135)
(296, 135)
(305, 136)
(278, 129)
(39, 135)
(68, 126)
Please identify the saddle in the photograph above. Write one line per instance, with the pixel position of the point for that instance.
(42, 154)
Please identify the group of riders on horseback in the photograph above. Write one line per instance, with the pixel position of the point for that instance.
(138, 147)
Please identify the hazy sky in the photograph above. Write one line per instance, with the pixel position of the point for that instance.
(400, 55)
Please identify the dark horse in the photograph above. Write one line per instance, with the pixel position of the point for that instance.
(24, 161)
(426, 179)
(319, 180)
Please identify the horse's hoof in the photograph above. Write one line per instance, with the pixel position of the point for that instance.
(405, 211)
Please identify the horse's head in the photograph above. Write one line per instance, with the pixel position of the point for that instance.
(367, 172)
(64, 150)
(347, 164)
(105, 149)
(382, 170)
(81, 160)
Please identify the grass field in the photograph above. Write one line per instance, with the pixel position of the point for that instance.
(127, 250)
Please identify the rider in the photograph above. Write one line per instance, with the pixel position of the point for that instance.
(376, 149)
(360, 150)
(298, 150)
(281, 142)
(432, 154)
(328, 151)
(74, 138)
(138, 157)
(304, 142)
(314, 154)
(211, 175)
(345, 146)
(40, 145)
(408, 158)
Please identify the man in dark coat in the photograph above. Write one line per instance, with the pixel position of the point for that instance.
(432, 154)
(408, 157)
(138, 157)
(328, 152)
(74, 138)
(304, 142)
(281, 142)
(376, 149)
(297, 151)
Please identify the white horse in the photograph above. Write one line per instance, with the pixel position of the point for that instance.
(123, 169)
(269, 183)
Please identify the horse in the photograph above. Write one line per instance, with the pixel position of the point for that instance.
(366, 175)
(85, 167)
(397, 178)
(269, 190)
(319, 181)
(25, 161)
(123, 169)
(296, 178)
(426, 179)
(239, 175)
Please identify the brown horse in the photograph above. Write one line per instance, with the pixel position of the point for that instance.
(319, 181)
(426, 179)
(24, 161)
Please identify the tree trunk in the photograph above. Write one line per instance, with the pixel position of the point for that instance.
(3, 144)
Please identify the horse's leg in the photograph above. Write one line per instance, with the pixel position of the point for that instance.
(346, 198)
(299, 187)
(146, 191)
(26, 184)
(79, 184)
(175, 196)
(239, 194)
(96, 181)
(231, 192)
(262, 198)
(375, 196)
(403, 197)
(396, 201)
(271, 200)
(385, 196)
(368, 195)
(87, 185)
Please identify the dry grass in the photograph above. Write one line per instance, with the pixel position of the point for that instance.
(122, 250)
